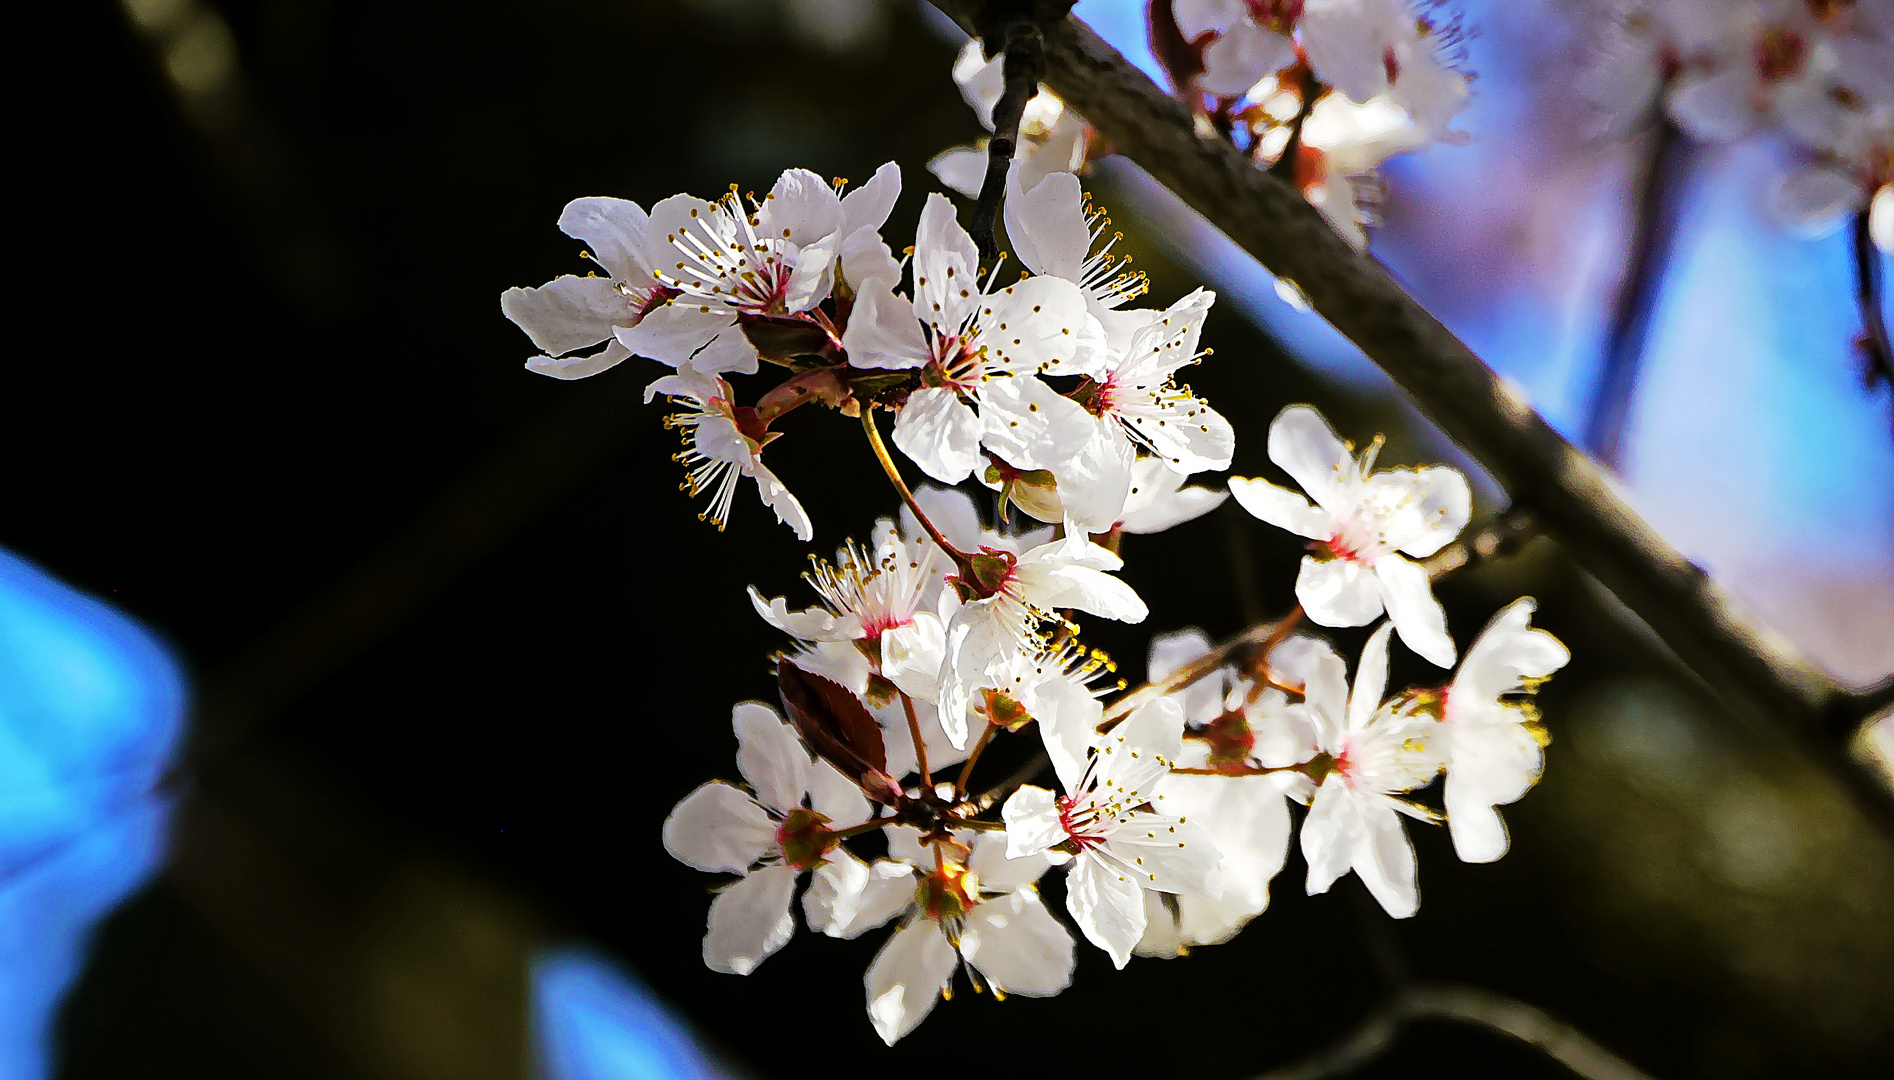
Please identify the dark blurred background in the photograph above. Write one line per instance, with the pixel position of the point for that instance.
(457, 644)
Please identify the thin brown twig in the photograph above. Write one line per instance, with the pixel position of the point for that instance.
(1376, 1034)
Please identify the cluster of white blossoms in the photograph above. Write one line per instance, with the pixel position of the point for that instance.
(1172, 812)
(1328, 90)
(944, 633)
(1817, 73)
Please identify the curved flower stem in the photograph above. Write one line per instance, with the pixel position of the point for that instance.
(920, 744)
(966, 770)
(894, 477)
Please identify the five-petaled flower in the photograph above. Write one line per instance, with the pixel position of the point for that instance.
(1364, 525)
(1112, 827)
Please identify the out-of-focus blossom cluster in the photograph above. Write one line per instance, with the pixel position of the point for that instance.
(1323, 91)
(1818, 74)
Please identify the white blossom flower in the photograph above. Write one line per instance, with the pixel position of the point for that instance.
(1135, 403)
(770, 838)
(723, 442)
(1115, 829)
(1245, 816)
(773, 259)
(1009, 603)
(1414, 65)
(1052, 138)
(984, 911)
(1493, 747)
(1372, 755)
(570, 313)
(1252, 40)
(1364, 524)
(978, 353)
(1343, 143)
(886, 598)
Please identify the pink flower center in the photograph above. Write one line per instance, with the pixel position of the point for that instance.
(1073, 827)
(1277, 15)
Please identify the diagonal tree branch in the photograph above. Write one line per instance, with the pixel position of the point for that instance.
(1567, 493)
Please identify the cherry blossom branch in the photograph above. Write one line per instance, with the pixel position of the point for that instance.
(1755, 673)
(1874, 337)
(1653, 232)
(1377, 1033)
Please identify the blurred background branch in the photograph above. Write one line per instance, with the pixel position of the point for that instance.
(1757, 673)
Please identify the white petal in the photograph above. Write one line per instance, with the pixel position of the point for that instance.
(1196, 18)
(1881, 219)
(865, 260)
(1340, 592)
(717, 828)
(1032, 822)
(1813, 199)
(1042, 324)
(1371, 678)
(1190, 436)
(813, 274)
(802, 208)
(962, 168)
(1062, 586)
(579, 366)
(1420, 510)
(1158, 500)
(835, 796)
(1346, 42)
(1282, 508)
(674, 331)
(730, 351)
(1419, 618)
(1030, 424)
(770, 756)
(1180, 858)
(868, 206)
(848, 897)
(1047, 226)
(940, 433)
(1479, 834)
(1717, 107)
(1386, 864)
(566, 313)
(788, 509)
(906, 978)
(1107, 906)
(1505, 654)
(615, 230)
(1329, 834)
(1017, 944)
(998, 871)
(882, 331)
(946, 268)
(1244, 54)
(750, 919)
(809, 624)
(1094, 484)
(1308, 450)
